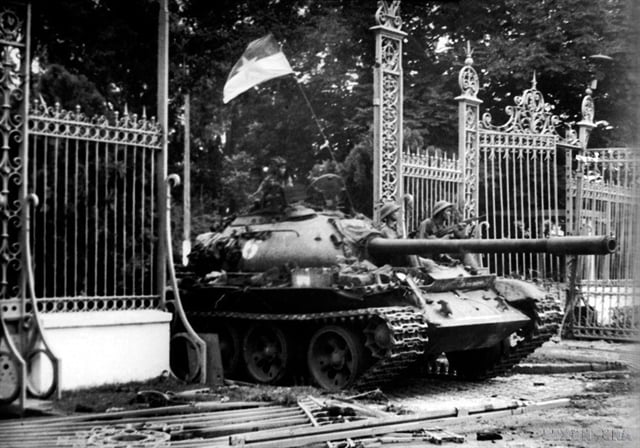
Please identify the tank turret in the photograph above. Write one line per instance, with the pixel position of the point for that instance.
(321, 295)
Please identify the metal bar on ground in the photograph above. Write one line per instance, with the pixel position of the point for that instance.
(296, 438)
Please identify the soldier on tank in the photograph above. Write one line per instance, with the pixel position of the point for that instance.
(271, 192)
(439, 226)
(389, 220)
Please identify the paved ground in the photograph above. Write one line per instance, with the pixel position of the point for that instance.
(603, 410)
(599, 378)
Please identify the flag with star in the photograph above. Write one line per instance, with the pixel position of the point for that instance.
(261, 61)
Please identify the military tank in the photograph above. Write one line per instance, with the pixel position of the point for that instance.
(321, 295)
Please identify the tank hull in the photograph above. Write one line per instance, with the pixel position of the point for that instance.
(327, 298)
(472, 320)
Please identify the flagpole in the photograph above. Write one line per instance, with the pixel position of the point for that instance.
(265, 57)
(326, 140)
(315, 117)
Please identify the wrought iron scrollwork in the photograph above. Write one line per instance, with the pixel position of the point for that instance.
(12, 75)
(125, 129)
(389, 15)
(388, 143)
(530, 115)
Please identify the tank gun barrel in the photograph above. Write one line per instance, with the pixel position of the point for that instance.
(569, 245)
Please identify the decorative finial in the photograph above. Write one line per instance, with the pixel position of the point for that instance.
(534, 81)
(468, 53)
(468, 78)
(389, 15)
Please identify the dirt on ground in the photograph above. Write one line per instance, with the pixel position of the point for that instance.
(603, 409)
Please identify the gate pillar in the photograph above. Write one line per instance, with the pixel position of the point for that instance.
(387, 108)
(468, 140)
(23, 345)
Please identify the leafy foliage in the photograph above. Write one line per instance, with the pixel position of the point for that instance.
(330, 45)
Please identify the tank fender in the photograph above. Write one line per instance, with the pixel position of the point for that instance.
(514, 290)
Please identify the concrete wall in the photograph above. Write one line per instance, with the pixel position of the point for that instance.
(97, 348)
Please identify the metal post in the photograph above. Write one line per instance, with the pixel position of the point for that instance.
(161, 157)
(585, 126)
(186, 191)
(24, 155)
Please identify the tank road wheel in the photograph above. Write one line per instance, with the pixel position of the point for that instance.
(379, 339)
(336, 357)
(266, 353)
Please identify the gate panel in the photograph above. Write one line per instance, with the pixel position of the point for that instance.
(429, 178)
(609, 305)
(521, 177)
(519, 194)
(95, 232)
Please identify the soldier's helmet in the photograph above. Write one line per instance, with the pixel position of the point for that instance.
(388, 208)
(440, 206)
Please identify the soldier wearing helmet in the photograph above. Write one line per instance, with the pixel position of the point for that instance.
(439, 225)
(434, 226)
(271, 192)
(389, 219)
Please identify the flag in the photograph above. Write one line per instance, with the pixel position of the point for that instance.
(262, 60)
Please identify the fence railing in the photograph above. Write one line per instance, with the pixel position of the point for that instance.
(519, 183)
(429, 177)
(95, 231)
(609, 302)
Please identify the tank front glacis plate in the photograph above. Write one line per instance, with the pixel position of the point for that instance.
(463, 320)
(472, 307)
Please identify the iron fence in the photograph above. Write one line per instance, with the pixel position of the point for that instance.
(429, 177)
(95, 231)
(520, 181)
(609, 301)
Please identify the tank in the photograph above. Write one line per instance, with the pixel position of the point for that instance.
(307, 295)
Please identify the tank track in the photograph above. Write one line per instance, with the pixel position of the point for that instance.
(407, 324)
(548, 319)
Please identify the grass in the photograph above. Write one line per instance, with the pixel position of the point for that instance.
(128, 395)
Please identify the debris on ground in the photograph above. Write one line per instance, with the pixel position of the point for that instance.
(312, 420)
(488, 435)
(419, 412)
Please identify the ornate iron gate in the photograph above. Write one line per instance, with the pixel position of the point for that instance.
(521, 184)
(22, 341)
(423, 176)
(608, 305)
(95, 232)
(83, 212)
(519, 178)
(524, 177)
(429, 178)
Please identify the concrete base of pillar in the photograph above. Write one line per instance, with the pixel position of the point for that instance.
(98, 348)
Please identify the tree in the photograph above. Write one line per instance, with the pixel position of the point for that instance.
(69, 91)
(112, 44)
